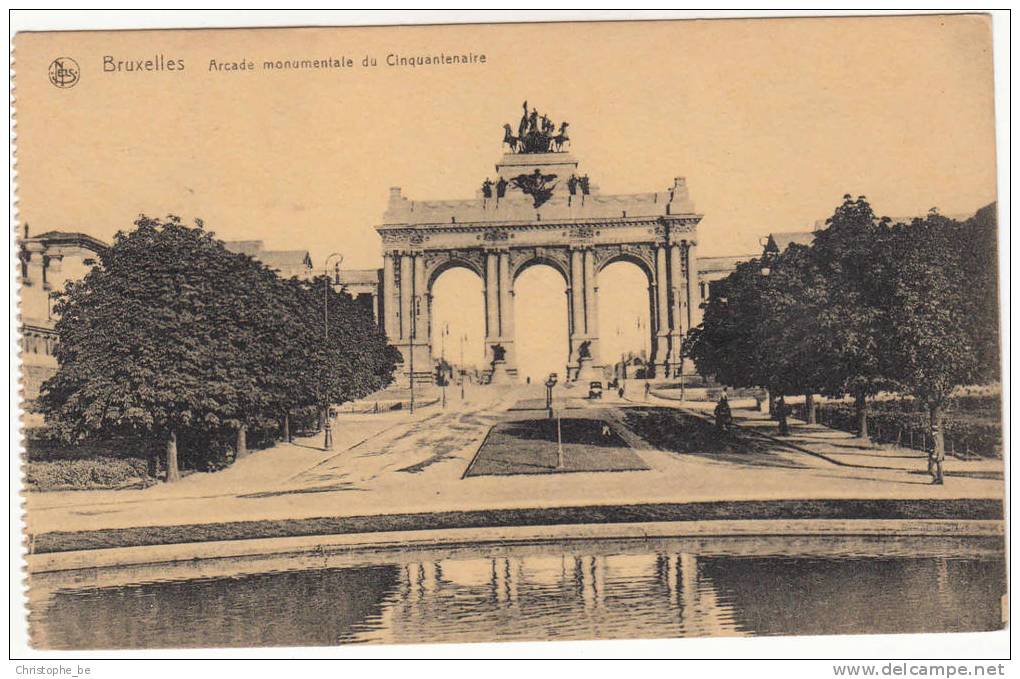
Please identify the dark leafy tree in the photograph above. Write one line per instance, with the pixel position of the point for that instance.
(172, 336)
(153, 340)
(927, 345)
(975, 243)
(795, 295)
(846, 255)
(760, 329)
(729, 342)
(350, 361)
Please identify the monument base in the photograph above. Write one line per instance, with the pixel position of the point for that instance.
(588, 372)
(499, 373)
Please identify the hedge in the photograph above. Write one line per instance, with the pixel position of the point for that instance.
(972, 425)
(89, 474)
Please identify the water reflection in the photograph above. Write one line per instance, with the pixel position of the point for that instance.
(603, 589)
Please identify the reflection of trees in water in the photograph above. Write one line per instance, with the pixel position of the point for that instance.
(781, 595)
(312, 608)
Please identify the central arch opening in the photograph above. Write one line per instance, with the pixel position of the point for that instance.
(624, 315)
(458, 321)
(540, 311)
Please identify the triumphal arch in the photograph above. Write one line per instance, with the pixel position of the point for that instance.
(540, 208)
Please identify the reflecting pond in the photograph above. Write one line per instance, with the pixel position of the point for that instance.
(560, 590)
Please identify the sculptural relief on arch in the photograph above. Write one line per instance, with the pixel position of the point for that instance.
(540, 209)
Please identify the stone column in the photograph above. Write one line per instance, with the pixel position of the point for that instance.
(406, 283)
(677, 293)
(422, 344)
(694, 310)
(421, 301)
(577, 329)
(662, 310)
(591, 307)
(506, 313)
(491, 303)
(34, 295)
(653, 325)
(390, 300)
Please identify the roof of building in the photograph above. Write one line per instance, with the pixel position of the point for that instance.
(284, 259)
(68, 238)
(247, 247)
(786, 238)
(274, 259)
(710, 264)
(362, 276)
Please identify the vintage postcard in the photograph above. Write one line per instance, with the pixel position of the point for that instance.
(483, 333)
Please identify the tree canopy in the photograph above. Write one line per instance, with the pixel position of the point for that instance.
(869, 305)
(172, 334)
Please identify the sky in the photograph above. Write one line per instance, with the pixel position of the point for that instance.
(771, 121)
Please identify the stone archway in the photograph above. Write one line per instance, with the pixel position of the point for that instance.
(626, 294)
(511, 225)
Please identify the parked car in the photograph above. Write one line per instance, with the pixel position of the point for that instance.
(595, 390)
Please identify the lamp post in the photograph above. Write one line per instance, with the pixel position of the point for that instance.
(768, 263)
(327, 427)
(549, 384)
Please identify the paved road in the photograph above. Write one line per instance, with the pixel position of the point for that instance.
(396, 462)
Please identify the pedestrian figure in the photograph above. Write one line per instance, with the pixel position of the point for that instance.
(648, 388)
(606, 431)
(723, 414)
(782, 411)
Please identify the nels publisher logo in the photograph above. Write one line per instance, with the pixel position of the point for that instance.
(64, 72)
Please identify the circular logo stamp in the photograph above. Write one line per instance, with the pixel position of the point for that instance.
(64, 72)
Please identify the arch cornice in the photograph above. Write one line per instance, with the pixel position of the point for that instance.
(419, 237)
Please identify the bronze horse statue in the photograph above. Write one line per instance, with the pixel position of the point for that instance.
(560, 139)
(509, 139)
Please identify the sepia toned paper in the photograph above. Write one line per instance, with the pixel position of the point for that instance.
(459, 394)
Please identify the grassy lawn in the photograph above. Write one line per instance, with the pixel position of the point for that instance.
(531, 447)
(678, 432)
(60, 541)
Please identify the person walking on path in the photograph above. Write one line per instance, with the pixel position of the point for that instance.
(781, 413)
(723, 414)
(648, 388)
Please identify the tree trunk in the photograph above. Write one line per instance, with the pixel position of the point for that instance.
(242, 442)
(809, 407)
(937, 456)
(286, 428)
(861, 408)
(172, 472)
